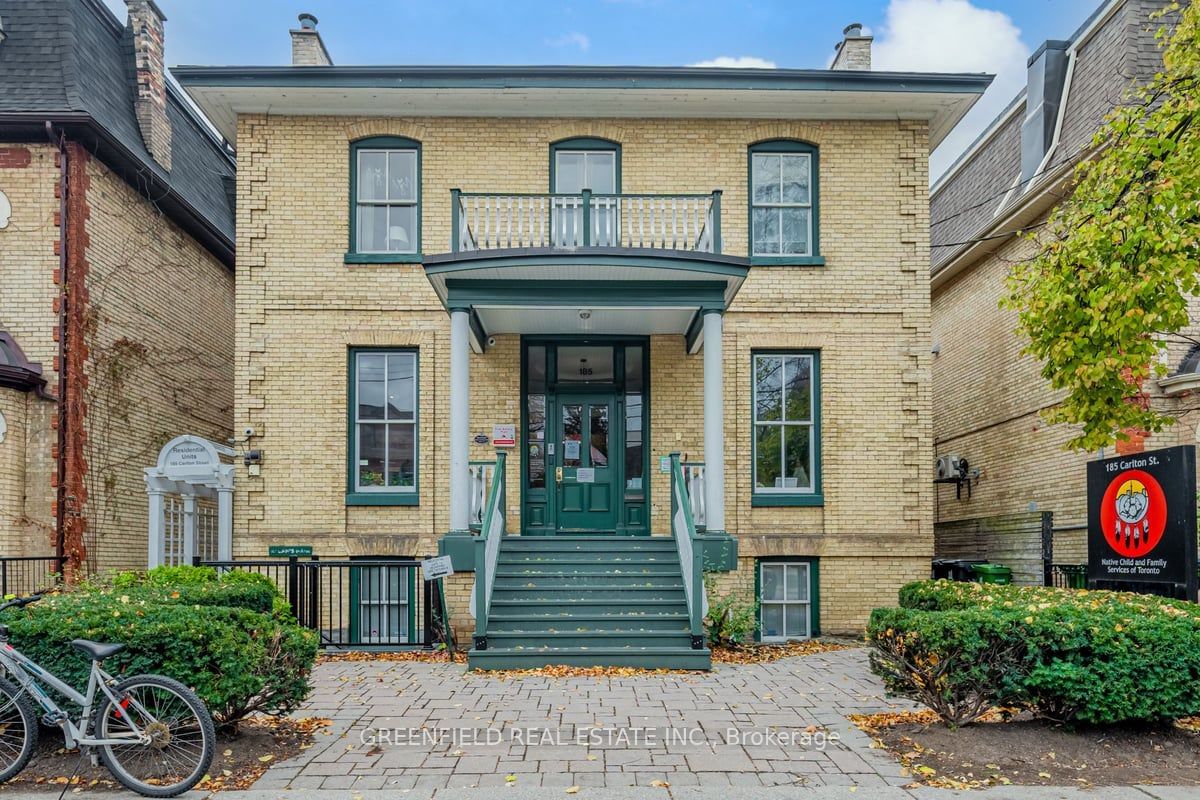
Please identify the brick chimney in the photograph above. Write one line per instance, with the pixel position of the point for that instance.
(307, 48)
(854, 50)
(146, 28)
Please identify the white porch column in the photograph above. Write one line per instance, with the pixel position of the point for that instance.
(189, 528)
(714, 424)
(154, 558)
(460, 419)
(225, 523)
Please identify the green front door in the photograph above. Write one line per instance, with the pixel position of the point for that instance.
(588, 478)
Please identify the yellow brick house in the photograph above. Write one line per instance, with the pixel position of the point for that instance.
(592, 332)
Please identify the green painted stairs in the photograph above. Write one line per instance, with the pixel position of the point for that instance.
(588, 601)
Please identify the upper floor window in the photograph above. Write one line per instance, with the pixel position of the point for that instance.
(786, 414)
(783, 202)
(575, 165)
(386, 197)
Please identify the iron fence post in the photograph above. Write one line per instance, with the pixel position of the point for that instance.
(1047, 548)
(3, 579)
(427, 614)
(195, 560)
(293, 589)
(312, 581)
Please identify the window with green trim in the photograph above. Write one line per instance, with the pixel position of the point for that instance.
(785, 600)
(386, 201)
(578, 164)
(785, 417)
(783, 200)
(383, 402)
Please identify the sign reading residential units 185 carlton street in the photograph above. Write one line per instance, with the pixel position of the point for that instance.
(1142, 518)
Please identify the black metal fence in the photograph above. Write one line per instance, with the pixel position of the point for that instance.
(1067, 576)
(358, 604)
(22, 575)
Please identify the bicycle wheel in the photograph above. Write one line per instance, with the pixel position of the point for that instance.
(179, 727)
(18, 730)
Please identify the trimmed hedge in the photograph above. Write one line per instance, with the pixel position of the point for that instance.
(223, 637)
(1087, 656)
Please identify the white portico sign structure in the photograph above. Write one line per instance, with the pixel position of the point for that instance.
(190, 492)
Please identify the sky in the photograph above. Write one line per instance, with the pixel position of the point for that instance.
(994, 36)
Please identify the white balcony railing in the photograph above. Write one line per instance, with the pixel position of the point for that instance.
(689, 222)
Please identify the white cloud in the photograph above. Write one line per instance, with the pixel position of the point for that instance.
(740, 62)
(572, 39)
(954, 36)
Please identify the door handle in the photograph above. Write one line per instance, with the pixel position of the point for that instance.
(558, 474)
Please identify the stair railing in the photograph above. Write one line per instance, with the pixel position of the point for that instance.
(487, 550)
(683, 530)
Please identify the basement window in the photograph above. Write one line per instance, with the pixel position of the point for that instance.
(787, 595)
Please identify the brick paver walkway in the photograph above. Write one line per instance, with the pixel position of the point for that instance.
(427, 726)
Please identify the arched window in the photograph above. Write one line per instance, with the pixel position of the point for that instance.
(585, 163)
(385, 199)
(784, 219)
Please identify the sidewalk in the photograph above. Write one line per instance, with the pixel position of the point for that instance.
(676, 793)
(380, 711)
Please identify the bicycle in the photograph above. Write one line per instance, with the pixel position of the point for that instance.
(151, 732)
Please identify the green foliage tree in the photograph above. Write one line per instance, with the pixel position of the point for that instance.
(1120, 257)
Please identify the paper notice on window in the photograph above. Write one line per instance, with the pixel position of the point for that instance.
(571, 449)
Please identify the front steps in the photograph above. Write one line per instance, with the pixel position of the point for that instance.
(588, 601)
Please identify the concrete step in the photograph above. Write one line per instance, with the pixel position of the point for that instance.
(507, 620)
(646, 657)
(588, 638)
(670, 605)
(558, 581)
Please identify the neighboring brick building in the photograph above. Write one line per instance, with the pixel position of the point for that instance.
(988, 396)
(116, 281)
(567, 251)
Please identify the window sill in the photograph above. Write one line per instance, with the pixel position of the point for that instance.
(382, 499)
(787, 261)
(383, 258)
(786, 500)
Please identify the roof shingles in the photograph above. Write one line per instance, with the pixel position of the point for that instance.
(74, 56)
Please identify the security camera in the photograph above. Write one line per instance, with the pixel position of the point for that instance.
(491, 341)
(247, 431)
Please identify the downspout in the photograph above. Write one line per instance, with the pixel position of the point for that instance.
(60, 495)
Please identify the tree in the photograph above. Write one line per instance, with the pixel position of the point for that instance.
(1120, 257)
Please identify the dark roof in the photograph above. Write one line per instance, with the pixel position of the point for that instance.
(71, 62)
(984, 184)
(583, 77)
(17, 371)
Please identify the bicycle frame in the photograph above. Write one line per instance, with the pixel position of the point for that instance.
(19, 666)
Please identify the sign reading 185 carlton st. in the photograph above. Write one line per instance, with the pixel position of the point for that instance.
(1142, 518)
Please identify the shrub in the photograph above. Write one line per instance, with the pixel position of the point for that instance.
(219, 636)
(1085, 656)
(958, 663)
(729, 621)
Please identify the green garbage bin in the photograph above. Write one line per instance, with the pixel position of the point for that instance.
(1076, 575)
(992, 573)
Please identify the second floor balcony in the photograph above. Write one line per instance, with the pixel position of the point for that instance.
(558, 221)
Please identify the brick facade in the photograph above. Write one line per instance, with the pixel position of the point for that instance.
(155, 320)
(300, 307)
(988, 395)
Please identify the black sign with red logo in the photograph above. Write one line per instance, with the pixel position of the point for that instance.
(1142, 520)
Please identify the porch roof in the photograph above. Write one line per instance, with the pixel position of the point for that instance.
(595, 290)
